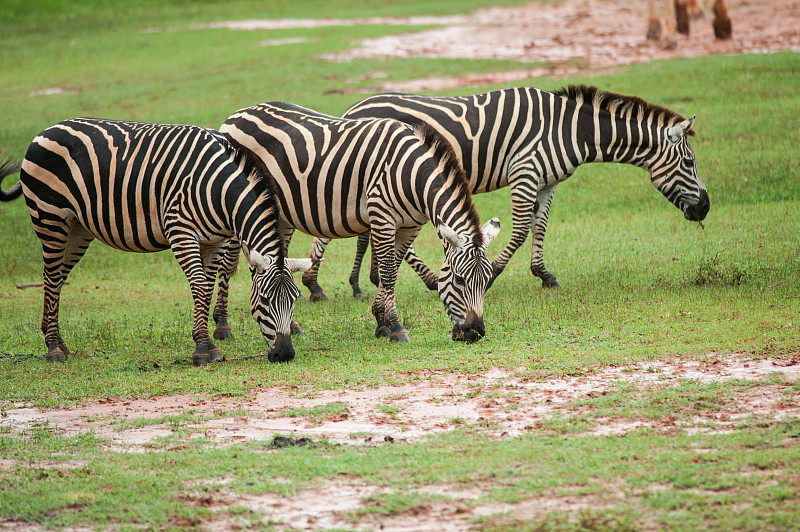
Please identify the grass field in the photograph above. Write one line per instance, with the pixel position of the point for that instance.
(639, 284)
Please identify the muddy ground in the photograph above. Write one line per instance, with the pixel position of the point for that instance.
(500, 403)
(568, 37)
(586, 36)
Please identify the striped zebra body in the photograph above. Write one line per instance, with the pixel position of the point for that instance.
(530, 140)
(340, 178)
(148, 187)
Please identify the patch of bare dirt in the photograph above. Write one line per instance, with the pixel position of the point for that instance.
(503, 403)
(567, 37)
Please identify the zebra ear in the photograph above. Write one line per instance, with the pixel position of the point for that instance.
(448, 235)
(675, 133)
(256, 261)
(299, 265)
(490, 230)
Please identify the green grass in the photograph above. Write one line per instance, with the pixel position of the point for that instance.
(640, 283)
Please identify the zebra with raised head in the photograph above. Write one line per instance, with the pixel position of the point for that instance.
(339, 178)
(530, 140)
(149, 187)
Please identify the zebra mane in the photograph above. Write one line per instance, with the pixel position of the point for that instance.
(264, 185)
(444, 152)
(620, 103)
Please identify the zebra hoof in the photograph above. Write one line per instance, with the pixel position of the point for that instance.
(201, 359)
(383, 332)
(357, 293)
(296, 329)
(550, 282)
(215, 355)
(64, 348)
(56, 355)
(318, 296)
(399, 336)
(223, 333)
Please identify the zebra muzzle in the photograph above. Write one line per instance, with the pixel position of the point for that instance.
(472, 330)
(282, 350)
(697, 212)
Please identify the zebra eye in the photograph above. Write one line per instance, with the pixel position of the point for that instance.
(688, 161)
(458, 279)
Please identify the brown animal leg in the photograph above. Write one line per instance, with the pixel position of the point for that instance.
(682, 17)
(653, 23)
(722, 23)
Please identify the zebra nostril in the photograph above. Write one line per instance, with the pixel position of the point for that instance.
(472, 335)
(282, 350)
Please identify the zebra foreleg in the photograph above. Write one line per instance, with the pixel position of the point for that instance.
(187, 252)
(538, 228)
(60, 256)
(310, 276)
(389, 247)
(227, 267)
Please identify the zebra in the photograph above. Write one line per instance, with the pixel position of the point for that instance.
(530, 140)
(147, 187)
(338, 178)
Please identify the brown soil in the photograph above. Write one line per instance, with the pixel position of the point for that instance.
(501, 403)
(568, 38)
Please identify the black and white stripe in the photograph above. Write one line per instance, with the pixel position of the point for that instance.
(339, 178)
(148, 187)
(530, 140)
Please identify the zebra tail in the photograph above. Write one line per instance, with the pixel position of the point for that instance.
(7, 168)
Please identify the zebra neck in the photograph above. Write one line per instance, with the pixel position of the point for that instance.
(616, 138)
(454, 210)
(254, 221)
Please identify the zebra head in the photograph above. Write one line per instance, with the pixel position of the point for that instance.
(465, 274)
(272, 300)
(674, 173)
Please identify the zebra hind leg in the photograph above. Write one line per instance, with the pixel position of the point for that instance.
(60, 256)
(374, 271)
(390, 250)
(541, 209)
(430, 279)
(361, 249)
(227, 268)
(200, 275)
(311, 275)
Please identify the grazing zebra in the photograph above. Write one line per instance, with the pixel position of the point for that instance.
(148, 187)
(339, 178)
(530, 140)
